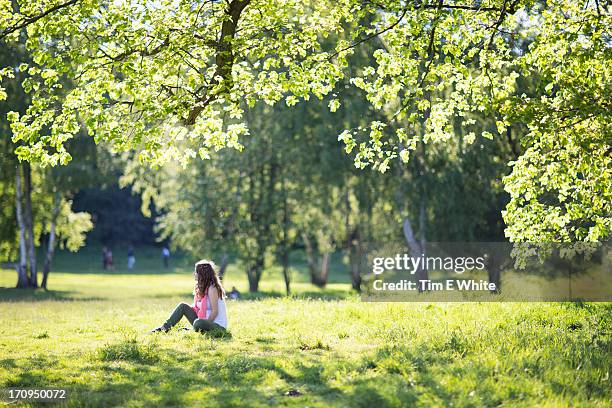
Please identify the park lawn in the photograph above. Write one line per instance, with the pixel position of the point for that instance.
(316, 348)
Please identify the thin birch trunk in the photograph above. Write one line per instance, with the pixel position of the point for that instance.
(22, 273)
(415, 249)
(29, 223)
(285, 244)
(51, 244)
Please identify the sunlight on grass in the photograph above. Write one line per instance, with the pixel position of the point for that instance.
(89, 334)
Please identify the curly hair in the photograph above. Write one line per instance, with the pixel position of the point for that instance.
(206, 276)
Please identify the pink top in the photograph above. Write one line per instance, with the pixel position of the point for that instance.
(201, 309)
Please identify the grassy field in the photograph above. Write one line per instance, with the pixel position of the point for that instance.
(317, 348)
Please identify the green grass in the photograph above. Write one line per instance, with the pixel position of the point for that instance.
(317, 348)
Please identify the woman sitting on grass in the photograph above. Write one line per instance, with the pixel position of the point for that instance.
(208, 311)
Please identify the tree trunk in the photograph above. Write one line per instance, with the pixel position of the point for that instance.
(355, 260)
(423, 273)
(422, 225)
(21, 266)
(29, 223)
(51, 244)
(254, 274)
(253, 282)
(415, 250)
(310, 259)
(494, 264)
(285, 243)
(223, 265)
(355, 274)
(318, 268)
(495, 277)
(353, 244)
(286, 276)
(324, 268)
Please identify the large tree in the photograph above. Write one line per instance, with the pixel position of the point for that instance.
(41, 196)
(150, 76)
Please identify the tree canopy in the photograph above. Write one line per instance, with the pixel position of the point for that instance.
(171, 79)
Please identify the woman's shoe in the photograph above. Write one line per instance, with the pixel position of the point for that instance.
(160, 329)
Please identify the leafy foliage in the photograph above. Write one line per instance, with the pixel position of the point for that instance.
(172, 80)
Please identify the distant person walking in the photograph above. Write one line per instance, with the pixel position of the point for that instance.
(166, 256)
(109, 260)
(104, 258)
(131, 258)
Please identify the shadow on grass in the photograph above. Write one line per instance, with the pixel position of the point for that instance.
(400, 370)
(8, 363)
(178, 379)
(33, 370)
(391, 376)
(34, 295)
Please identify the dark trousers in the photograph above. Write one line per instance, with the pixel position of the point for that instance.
(183, 309)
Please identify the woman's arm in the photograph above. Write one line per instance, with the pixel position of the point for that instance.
(213, 295)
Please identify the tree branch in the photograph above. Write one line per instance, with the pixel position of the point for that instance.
(439, 6)
(30, 20)
(145, 53)
(460, 7)
(502, 16)
(224, 58)
(445, 6)
(369, 37)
